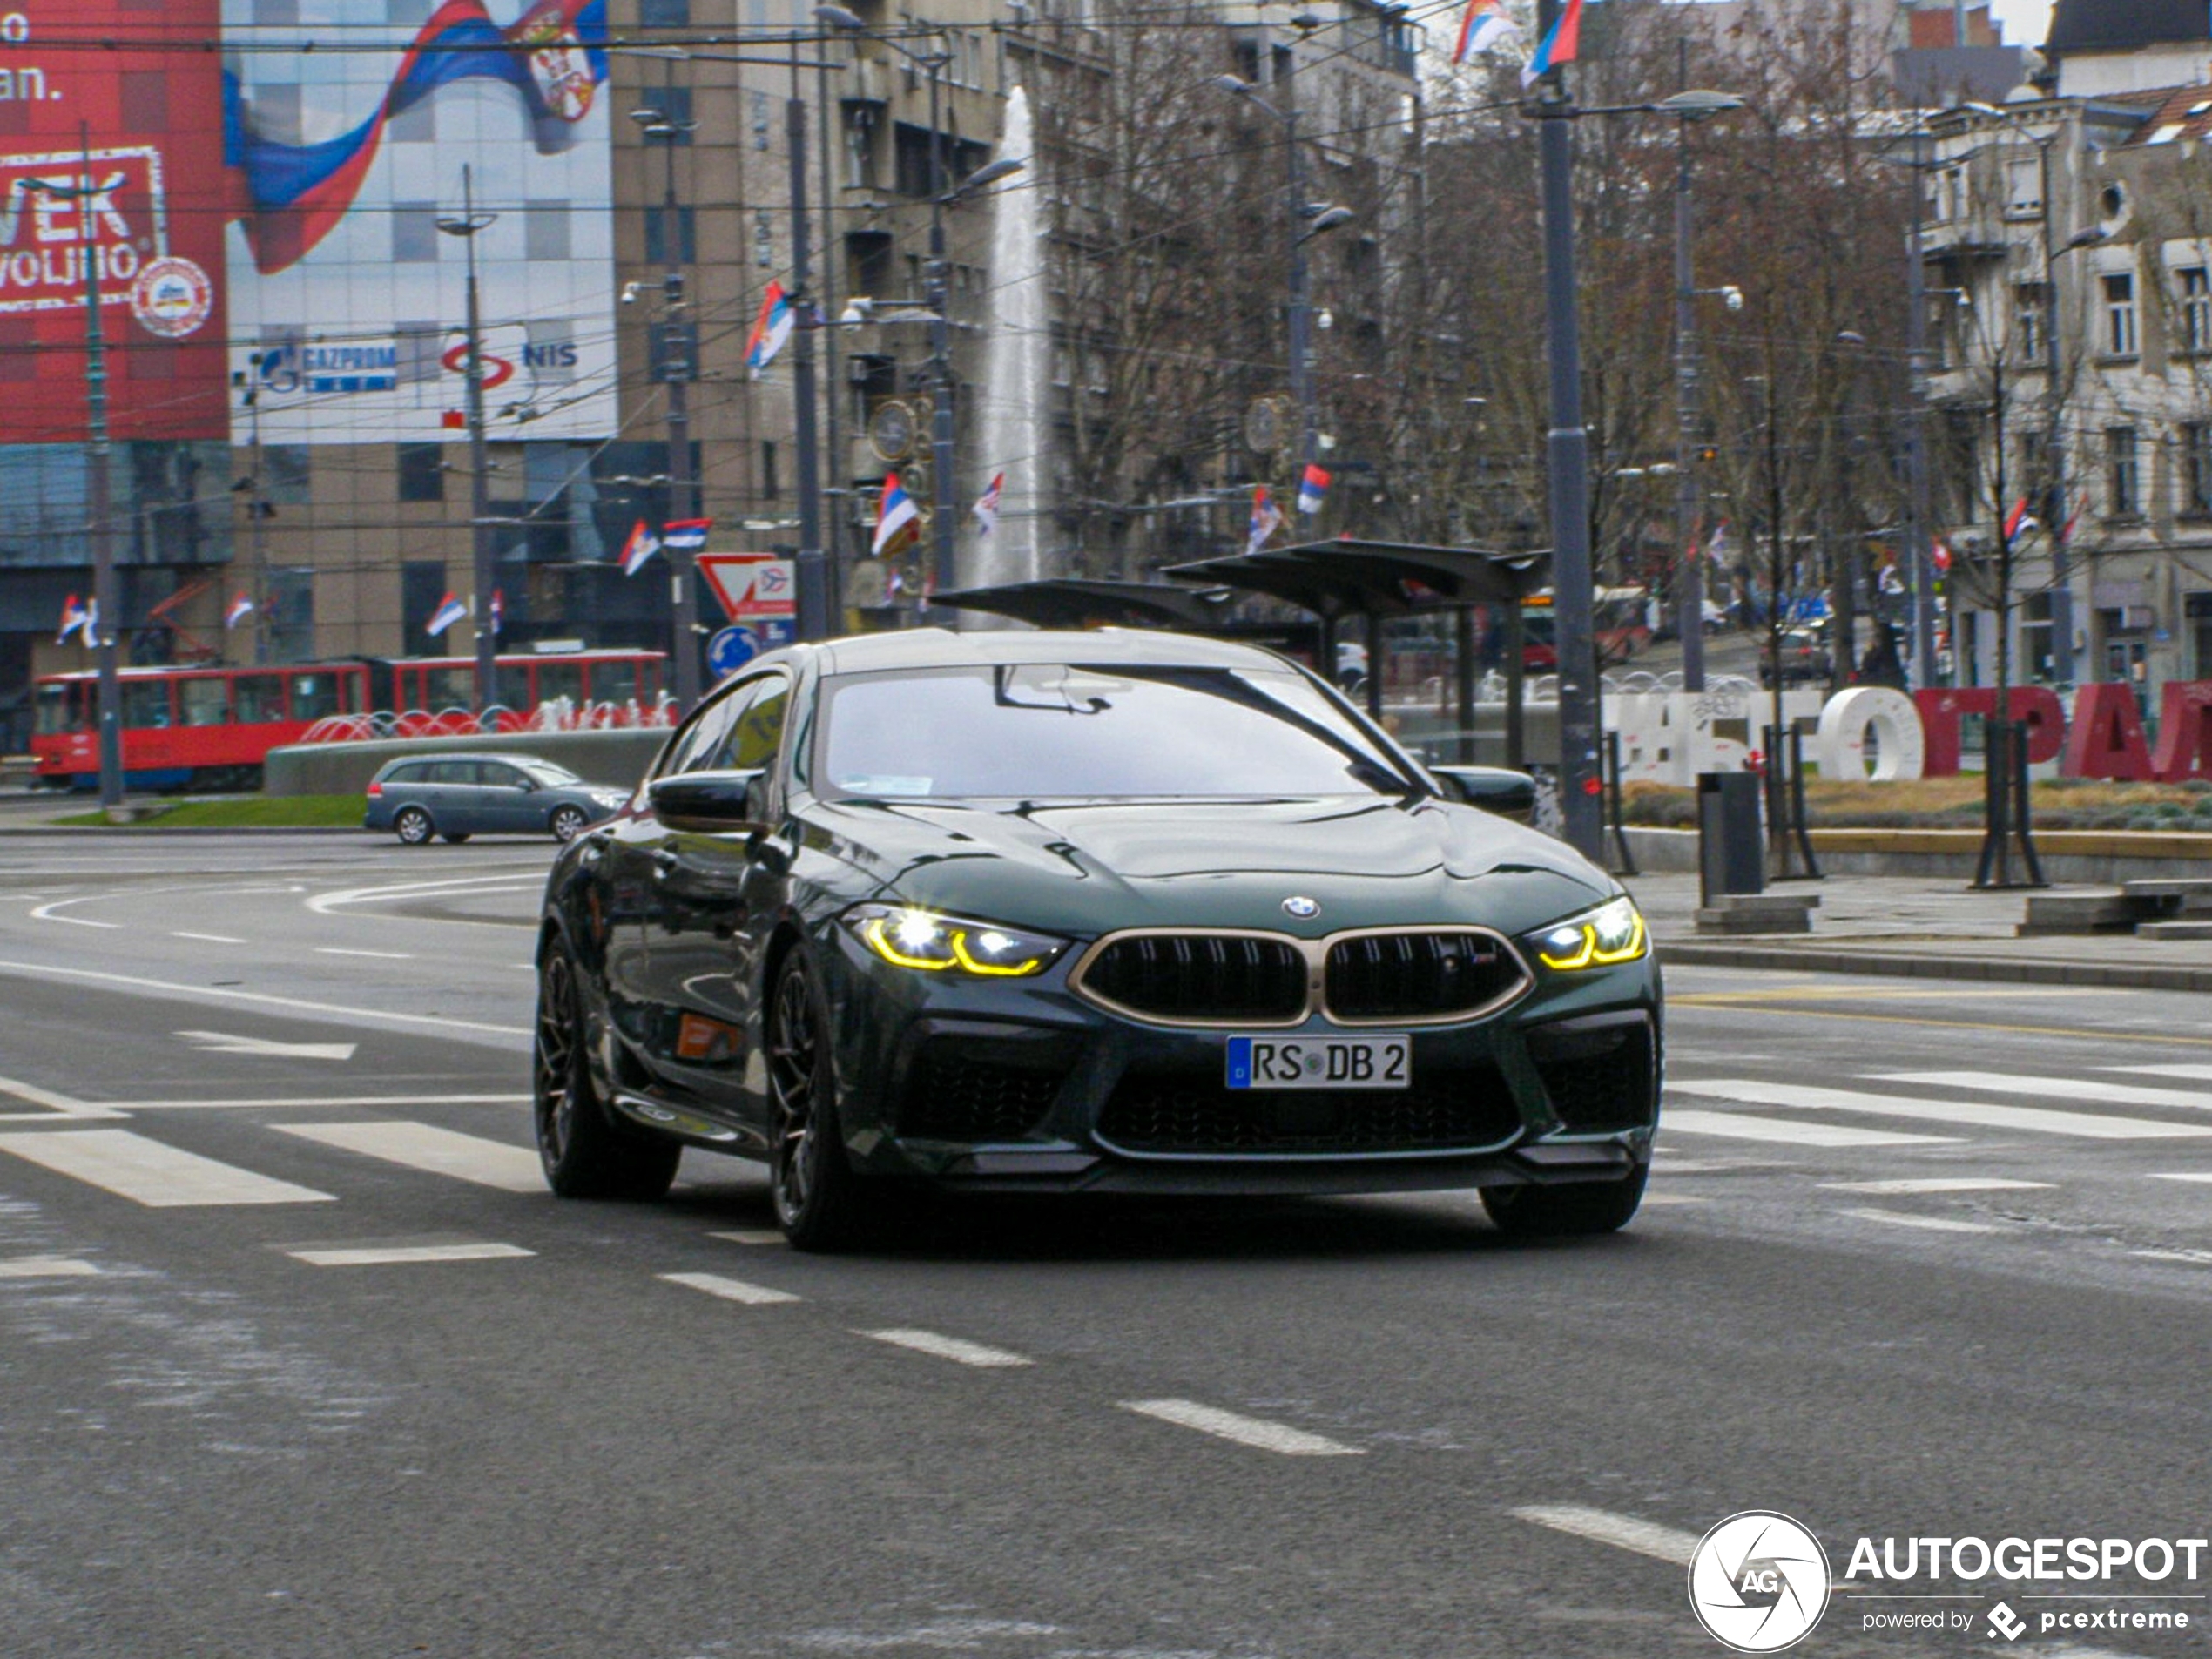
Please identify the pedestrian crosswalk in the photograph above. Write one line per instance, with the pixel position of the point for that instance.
(1955, 1114)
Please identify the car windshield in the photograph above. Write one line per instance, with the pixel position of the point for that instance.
(545, 771)
(1036, 731)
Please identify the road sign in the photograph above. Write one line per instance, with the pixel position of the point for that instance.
(732, 648)
(749, 584)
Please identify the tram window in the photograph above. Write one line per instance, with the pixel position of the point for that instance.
(146, 702)
(60, 709)
(450, 688)
(614, 682)
(566, 679)
(313, 696)
(204, 702)
(260, 697)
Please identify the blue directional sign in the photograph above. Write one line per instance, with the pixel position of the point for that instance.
(733, 647)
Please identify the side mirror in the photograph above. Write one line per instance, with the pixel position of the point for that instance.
(709, 801)
(1494, 789)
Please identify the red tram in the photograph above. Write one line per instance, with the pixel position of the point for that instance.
(211, 728)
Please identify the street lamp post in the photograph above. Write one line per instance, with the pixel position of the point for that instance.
(2055, 514)
(1920, 504)
(465, 226)
(675, 367)
(814, 597)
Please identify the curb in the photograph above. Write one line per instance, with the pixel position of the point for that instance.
(2140, 977)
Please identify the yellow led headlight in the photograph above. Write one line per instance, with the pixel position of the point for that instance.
(1612, 932)
(908, 937)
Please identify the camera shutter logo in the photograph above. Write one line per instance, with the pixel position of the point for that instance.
(1758, 1581)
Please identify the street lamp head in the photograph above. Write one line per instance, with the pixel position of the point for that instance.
(2088, 238)
(464, 224)
(1327, 220)
(840, 17)
(1696, 105)
(1732, 296)
(1850, 337)
(648, 117)
(1236, 85)
(990, 172)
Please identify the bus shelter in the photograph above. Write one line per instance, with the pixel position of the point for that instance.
(1084, 601)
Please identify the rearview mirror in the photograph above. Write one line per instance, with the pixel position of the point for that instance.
(710, 800)
(1495, 789)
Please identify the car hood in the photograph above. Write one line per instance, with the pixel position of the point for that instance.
(1087, 868)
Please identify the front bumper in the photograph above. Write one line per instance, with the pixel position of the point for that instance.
(1024, 1086)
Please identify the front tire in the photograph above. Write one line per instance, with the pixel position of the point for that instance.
(1584, 1207)
(413, 827)
(585, 1153)
(567, 824)
(817, 1195)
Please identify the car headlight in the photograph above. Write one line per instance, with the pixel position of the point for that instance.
(908, 937)
(1612, 932)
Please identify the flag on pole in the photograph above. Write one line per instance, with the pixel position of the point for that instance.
(1266, 519)
(1716, 549)
(241, 607)
(1558, 46)
(450, 612)
(2065, 530)
(987, 506)
(1939, 555)
(1484, 26)
(769, 329)
(498, 611)
(2018, 520)
(896, 517)
(1312, 489)
(686, 535)
(75, 619)
(641, 546)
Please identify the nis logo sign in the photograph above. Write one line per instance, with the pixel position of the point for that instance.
(59, 211)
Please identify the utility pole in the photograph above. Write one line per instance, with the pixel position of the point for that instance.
(466, 227)
(1919, 508)
(1689, 584)
(814, 597)
(675, 366)
(942, 459)
(833, 365)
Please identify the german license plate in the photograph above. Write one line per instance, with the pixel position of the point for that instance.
(1320, 1062)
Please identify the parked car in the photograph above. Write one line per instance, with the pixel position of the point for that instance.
(1084, 913)
(1805, 656)
(460, 795)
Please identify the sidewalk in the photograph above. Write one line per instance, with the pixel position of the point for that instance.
(1921, 926)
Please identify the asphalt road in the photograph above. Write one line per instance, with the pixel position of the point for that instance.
(373, 1392)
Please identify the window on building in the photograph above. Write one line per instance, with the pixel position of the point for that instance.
(665, 14)
(2029, 300)
(860, 143)
(687, 244)
(2196, 466)
(2035, 637)
(422, 587)
(761, 128)
(2123, 479)
(764, 239)
(2120, 314)
(414, 232)
(423, 472)
(2197, 608)
(2196, 285)
(770, 486)
(867, 264)
(2024, 187)
(912, 144)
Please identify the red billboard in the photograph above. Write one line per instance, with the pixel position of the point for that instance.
(111, 169)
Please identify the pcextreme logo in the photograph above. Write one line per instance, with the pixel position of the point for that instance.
(1758, 1581)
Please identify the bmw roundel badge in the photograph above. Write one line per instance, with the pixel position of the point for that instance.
(1301, 906)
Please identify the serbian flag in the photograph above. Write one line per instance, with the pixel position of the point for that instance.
(75, 619)
(896, 517)
(2018, 520)
(1558, 46)
(1939, 555)
(498, 611)
(686, 535)
(2066, 531)
(987, 506)
(1312, 489)
(450, 612)
(1266, 519)
(769, 329)
(641, 546)
(1484, 26)
(241, 607)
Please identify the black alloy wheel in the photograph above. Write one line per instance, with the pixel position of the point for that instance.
(586, 1153)
(567, 824)
(816, 1192)
(1583, 1207)
(413, 827)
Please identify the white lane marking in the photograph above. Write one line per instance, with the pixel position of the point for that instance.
(730, 1289)
(385, 955)
(437, 1151)
(61, 1105)
(323, 903)
(223, 1042)
(2183, 1175)
(2193, 1257)
(1935, 1183)
(47, 970)
(150, 1173)
(1807, 1096)
(46, 912)
(48, 1267)
(2196, 1072)
(1650, 1198)
(2061, 1088)
(353, 1101)
(1622, 1531)
(752, 1235)
(1926, 1223)
(1244, 1431)
(393, 1255)
(1739, 1127)
(212, 938)
(952, 1348)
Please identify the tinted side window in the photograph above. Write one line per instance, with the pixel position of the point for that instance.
(697, 737)
(410, 773)
(451, 772)
(499, 776)
(758, 730)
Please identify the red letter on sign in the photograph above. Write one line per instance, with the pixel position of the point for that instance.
(2107, 739)
(2184, 732)
(1940, 712)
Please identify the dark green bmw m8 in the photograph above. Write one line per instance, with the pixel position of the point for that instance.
(1109, 912)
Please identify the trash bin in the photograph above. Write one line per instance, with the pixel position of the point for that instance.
(1731, 856)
